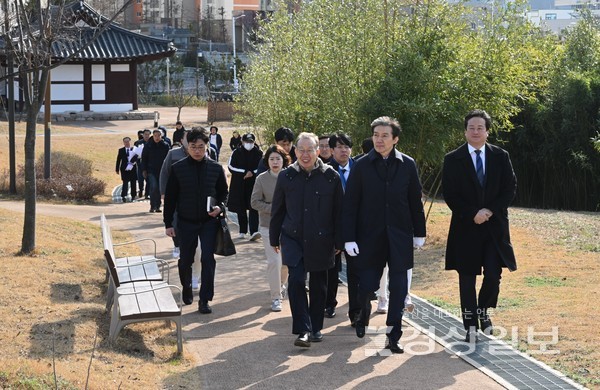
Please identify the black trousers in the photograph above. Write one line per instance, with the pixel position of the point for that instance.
(332, 282)
(243, 221)
(472, 306)
(188, 242)
(369, 277)
(306, 317)
(125, 187)
(352, 273)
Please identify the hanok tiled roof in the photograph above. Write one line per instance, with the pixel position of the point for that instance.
(113, 44)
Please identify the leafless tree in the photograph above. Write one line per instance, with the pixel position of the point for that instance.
(34, 35)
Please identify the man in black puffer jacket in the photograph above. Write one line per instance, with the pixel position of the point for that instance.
(192, 180)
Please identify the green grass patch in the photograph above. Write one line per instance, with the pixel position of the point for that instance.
(545, 281)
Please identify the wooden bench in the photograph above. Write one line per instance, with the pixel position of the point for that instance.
(129, 268)
(139, 291)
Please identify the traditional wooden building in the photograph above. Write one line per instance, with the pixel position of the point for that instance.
(103, 76)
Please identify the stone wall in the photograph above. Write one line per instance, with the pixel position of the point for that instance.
(99, 116)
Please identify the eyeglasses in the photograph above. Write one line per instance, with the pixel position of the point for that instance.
(197, 147)
(306, 151)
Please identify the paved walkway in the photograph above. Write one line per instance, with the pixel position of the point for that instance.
(242, 344)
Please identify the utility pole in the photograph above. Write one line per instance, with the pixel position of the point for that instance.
(235, 80)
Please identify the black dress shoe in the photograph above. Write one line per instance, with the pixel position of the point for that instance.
(353, 320)
(316, 337)
(303, 340)
(486, 326)
(330, 312)
(471, 337)
(204, 308)
(151, 210)
(360, 329)
(157, 210)
(188, 295)
(394, 347)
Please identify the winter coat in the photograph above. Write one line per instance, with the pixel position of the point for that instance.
(465, 197)
(383, 210)
(306, 216)
(241, 162)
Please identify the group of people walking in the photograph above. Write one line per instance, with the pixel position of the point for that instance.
(313, 204)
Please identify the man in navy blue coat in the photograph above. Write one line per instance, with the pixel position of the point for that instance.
(383, 220)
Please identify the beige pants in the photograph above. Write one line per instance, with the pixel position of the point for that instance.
(276, 272)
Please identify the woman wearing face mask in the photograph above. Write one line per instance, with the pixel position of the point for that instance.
(276, 159)
(242, 165)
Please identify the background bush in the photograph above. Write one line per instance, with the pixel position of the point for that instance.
(70, 178)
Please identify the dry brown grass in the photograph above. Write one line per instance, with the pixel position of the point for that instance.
(556, 284)
(60, 292)
(58, 296)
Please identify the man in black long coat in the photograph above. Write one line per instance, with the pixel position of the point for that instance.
(242, 165)
(306, 224)
(478, 185)
(383, 220)
(127, 169)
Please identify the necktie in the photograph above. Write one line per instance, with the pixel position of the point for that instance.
(127, 152)
(479, 167)
(343, 177)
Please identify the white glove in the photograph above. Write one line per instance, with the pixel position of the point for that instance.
(418, 242)
(351, 248)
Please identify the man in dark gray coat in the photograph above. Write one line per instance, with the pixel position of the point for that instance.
(478, 184)
(383, 220)
(306, 224)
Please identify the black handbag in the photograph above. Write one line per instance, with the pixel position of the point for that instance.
(224, 244)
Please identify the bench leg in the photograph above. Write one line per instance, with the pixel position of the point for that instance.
(115, 324)
(179, 336)
(110, 294)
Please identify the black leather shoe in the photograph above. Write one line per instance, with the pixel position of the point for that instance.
(486, 326)
(394, 346)
(353, 320)
(360, 329)
(188, 296)
(204, 308)
(151, 210)
(330, 312)
(471, 337)
(157, 210)
(303, 340)
(316, 337)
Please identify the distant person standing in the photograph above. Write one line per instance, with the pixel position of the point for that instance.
(235, 141)
(242, 165)
(383, 221)
(153, 155)
(262, 199)
(478, 184)
(284, 137)
(306, 226)
(216, 140)
(127, 169)
(179, 133)
(142, 181)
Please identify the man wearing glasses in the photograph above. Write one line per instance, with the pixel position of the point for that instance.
(192, 180)
(306, 227)
(325, 152)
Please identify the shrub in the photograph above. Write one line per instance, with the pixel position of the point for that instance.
(70, 178)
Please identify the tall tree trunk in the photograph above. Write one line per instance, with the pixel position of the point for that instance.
(28, 242)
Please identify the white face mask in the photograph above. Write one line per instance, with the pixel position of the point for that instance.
(248, 145)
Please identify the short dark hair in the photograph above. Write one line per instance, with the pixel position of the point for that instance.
(178, 123)
(341, 138)
(367, 145)
(279, 150)
(387, 121)
(146, 130)
(324, 136)
(284, 134)
(214, 127)
(197, 133)
(479, 114)
(126, 138)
